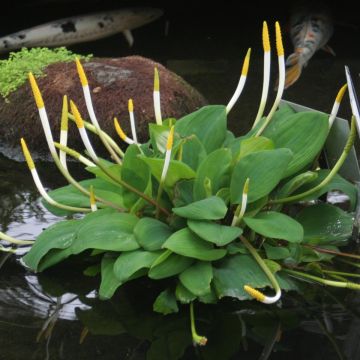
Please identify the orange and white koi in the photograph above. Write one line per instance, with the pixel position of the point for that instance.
(309, 33)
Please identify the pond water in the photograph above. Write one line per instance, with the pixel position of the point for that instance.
(56, 315)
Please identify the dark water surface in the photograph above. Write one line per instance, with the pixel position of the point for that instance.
(45, 316)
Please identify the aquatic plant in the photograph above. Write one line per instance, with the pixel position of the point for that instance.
(14, 71)
(214, 214)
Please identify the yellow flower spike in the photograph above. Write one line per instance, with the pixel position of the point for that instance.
(245, 68)
(279, 43)
(36, 91)
(78, 119)
(27, 154)
(265, 37)
(170, 140)
(119, 130)
(92, 199)
(81, 72)
(341, 93)
(130, 105)
(246, 187)
(64, 115)
(256, 294)
(156, 80)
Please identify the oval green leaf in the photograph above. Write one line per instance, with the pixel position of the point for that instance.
(197, 278)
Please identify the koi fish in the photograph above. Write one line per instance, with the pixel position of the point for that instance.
(81, 28)
(309, 33)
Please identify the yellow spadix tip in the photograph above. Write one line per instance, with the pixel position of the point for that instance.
(341, 93)
(27, 155)
(256, 294)
(246, 186)
(81, 72)
(92, 196)
(130, 105)
(78, 119)
(64, 114)
(279, 43)
(119, 130)
(245, 67)
(156, 80)
(36, 91)
(170, 139)
(265, 37)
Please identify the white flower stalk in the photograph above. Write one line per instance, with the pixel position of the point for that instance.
(74, 154)
(43, 115)
(353, 98)
(90, 109)
(13, 240)
(132, 120)
(156, 97)
(259, 296)
(240, 210)
(280, 90)
(92, 199)
(336, 105)
(266, 78)
(39, 184)
(169, 146)
(84, 136)
(241, 82)
(64, 131)
(121, 133)
(256, 294)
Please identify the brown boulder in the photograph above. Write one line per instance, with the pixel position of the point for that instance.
(112, 81)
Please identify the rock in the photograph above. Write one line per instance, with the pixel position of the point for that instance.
(112, 82)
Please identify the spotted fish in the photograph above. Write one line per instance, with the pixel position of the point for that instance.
(309, 33)
(81, 28)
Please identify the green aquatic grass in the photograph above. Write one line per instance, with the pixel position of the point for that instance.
(14, 71)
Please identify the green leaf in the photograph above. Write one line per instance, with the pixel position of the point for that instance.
(183, 193)
(276, 225)
(218, 234)
(183, 294)
(193, 152)
(264, 169)
(109, 282)
(113, 169)
(106, 231)
(177, 170)
(337, 183)
(129, 263)
(253, 144)
(304, 133)
(151, 233)
(325, 224)
(215, 167)
(158, 136)
(172, 265)
(207, 123)
(212, 208)
(276, 252)
(69, 195)
(186, 243)
(137, 174)
(165, 303)
(197, 278)
(232, 273)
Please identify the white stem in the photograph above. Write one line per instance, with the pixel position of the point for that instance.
(333, 113)
(133, 129)
(272, 299)
(86, 161)
(87, 144)
(237, 93)
(157, 107)
(63, 142)
(166, 165)
(47, 130)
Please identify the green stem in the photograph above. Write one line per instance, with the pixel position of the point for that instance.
(261, 263)
(331, 174)
(339, 284)
(12, 240)
(341, 273)
(349, 262)
(332, 252)
(197, 339)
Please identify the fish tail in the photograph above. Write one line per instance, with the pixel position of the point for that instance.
(294, 69)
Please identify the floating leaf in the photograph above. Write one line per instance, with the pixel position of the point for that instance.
(215, 167)
(186, 243)
(264, 169)
(109, 282)
(197, 278)
(276, 252)
(207, 123)
(165, 303)
(172, 265)
(193, 152)
(276, 225)
(212, 208)
(218, 234)
(253, 144)
(183, 294)
(151, 233)
(325, 224)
